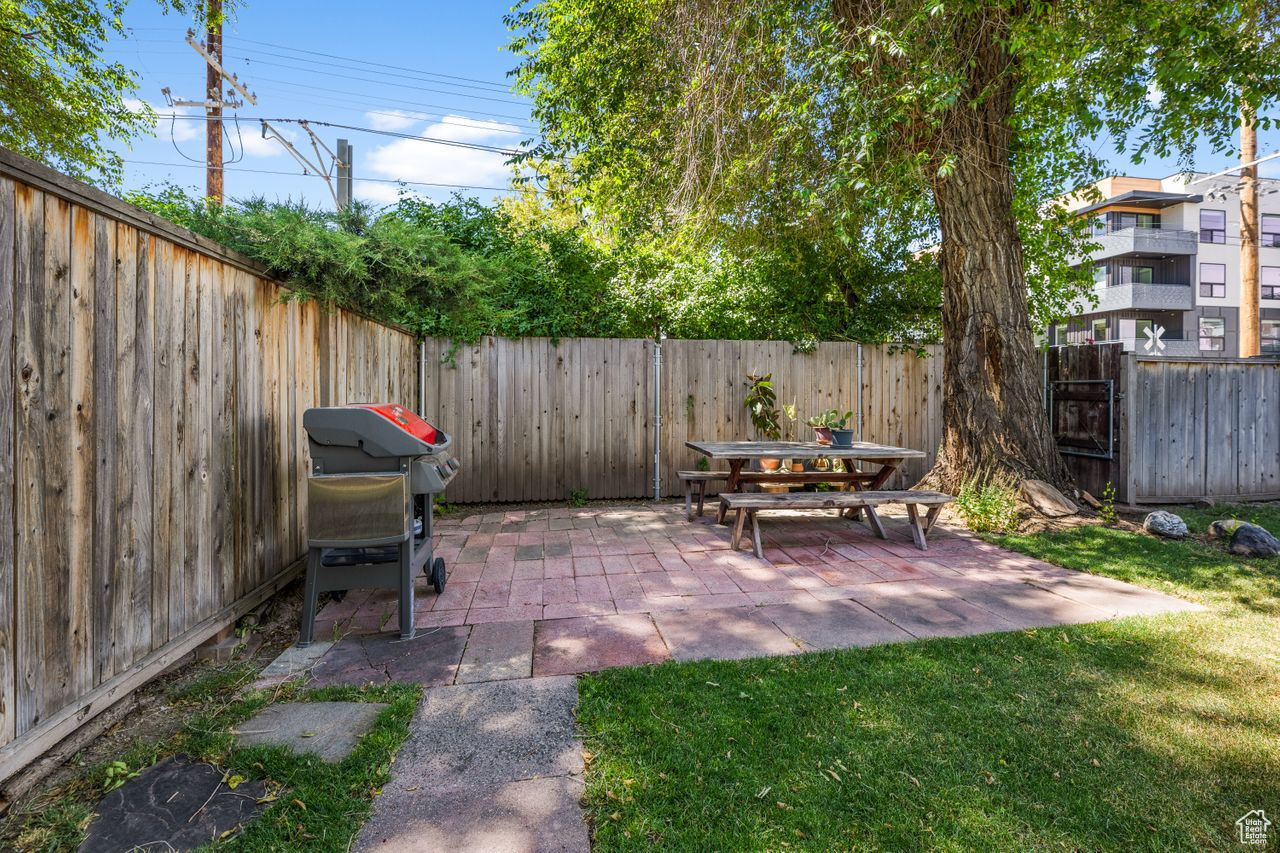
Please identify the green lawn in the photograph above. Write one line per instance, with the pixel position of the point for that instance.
(1139, 734)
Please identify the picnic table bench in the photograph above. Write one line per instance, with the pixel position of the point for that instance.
(699, 480)
(748, 504)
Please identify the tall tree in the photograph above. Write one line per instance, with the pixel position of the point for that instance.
(60, 101)
(857, 117)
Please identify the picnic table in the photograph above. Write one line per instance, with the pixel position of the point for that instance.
(739, 453)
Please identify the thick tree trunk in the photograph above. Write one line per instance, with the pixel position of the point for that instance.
(993, 410)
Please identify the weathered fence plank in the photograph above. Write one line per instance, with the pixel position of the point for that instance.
(151, 447)
(534, 419)
(8, 379)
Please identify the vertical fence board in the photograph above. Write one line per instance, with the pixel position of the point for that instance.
(8, 473)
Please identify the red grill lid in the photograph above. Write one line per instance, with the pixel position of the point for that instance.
(403, 418)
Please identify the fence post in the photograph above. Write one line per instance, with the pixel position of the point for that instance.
(657, 414)
(859, 383)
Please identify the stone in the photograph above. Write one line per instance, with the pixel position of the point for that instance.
(1250, 540)
(1047, 500)
(1165, 524)
(327, 730)
(1224, 528)
(176, 804)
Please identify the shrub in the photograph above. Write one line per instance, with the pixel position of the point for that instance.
(988, 502)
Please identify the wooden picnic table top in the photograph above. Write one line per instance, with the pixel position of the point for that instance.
(800, 450)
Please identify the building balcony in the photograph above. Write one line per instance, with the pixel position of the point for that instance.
(1140, 297)
(1145, 241)
(1174, 347)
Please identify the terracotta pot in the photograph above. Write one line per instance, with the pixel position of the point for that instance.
(797, 467)
(768, 463)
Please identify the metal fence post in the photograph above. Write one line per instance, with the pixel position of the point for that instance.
(657, 414)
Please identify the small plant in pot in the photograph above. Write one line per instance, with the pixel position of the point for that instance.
(833, 423)
(792, 432)
(761, 402)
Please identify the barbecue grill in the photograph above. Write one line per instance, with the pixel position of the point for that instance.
(374, 472)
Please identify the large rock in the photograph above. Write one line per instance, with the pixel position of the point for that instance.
(1250, 540)
(1224, 528)
(1047, 500)
(1165, 524)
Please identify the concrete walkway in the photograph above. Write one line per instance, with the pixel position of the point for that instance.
(535, 597)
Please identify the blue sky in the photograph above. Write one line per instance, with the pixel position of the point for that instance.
(428, 69)
(331, 62)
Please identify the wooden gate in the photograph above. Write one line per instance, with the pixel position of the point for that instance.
(1085, 391)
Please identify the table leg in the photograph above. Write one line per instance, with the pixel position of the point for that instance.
(735, 473)
(852, 513)
(917, 532)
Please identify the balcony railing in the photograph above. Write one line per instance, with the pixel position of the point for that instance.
(1174, 346)
(1150, 241)
(1139, 296)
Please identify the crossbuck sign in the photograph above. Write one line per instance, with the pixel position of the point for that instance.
(1154, 343)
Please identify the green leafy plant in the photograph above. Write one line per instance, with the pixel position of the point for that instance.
(116, 773)
(577, 497)
(703, 464)
(988, 502)
(1107, 510)
(831, 419)
(762, 401)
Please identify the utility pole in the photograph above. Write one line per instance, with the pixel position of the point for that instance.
(1250, 293)
(213, 103)
(213, 110)
(344, 162)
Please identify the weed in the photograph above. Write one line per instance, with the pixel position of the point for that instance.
(1107, 509)
(577, 497)
(988, 502)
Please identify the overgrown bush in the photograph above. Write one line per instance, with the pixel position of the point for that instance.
(988, 502)
(461, 269)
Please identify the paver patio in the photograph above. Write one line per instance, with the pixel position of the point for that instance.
(493, 761)
(564, 591)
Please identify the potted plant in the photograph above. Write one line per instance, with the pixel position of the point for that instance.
(831, 424)
(761, 402)
(792, 433)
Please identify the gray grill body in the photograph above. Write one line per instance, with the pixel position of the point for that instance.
(369, 507)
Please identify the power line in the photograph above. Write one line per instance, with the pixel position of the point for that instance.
(370, 80)
(309, 175)
(370, 62)
(493, 149)
(389, 101)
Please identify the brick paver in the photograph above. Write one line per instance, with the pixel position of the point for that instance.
(563, 591)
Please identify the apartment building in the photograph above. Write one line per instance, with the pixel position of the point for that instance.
(1167, 275)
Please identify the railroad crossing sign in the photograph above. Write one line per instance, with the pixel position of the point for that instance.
(1154, 343)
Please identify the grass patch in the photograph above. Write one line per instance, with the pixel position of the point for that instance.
(1147, 733)
(314, 805)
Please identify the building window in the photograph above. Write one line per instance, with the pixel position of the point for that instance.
(1137, 275)
(1213, 226)
(1120, 221)
(1100, 275)
(1213, 332)
(1270, 336)
(1213, 280)
(1140, 328)
(1099, 330)
(1270, 229)
(1271, 282)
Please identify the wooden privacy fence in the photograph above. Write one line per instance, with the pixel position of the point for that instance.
(151, 446)
(1180, 430)
(534, 419)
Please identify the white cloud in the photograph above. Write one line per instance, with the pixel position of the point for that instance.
(416, 160)
(250, 136)
(392, 119)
